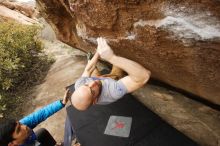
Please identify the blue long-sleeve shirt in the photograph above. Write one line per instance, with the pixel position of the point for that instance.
(35, 118)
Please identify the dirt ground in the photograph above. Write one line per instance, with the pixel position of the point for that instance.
(68, 66)
(190, 117)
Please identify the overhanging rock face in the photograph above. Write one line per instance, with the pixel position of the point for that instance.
(179, 41)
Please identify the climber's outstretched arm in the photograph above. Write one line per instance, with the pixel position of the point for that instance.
(90, 66)
(137, 74)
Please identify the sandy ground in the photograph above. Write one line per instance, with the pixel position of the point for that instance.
(67, 68)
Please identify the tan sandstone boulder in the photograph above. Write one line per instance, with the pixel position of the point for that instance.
(21, 13)
(179, 41)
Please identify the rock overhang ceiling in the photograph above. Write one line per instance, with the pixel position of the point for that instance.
(179, 41)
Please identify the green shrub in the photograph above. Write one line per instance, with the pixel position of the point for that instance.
(21, 58)
(18, 48)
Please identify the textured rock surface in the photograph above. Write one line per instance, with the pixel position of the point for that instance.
(197, 121)
(24, 9)
(21, 13)
(179, 41)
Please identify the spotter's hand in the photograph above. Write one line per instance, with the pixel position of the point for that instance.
(66, 96)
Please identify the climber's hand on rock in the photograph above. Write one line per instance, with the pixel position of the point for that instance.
(104, 49)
